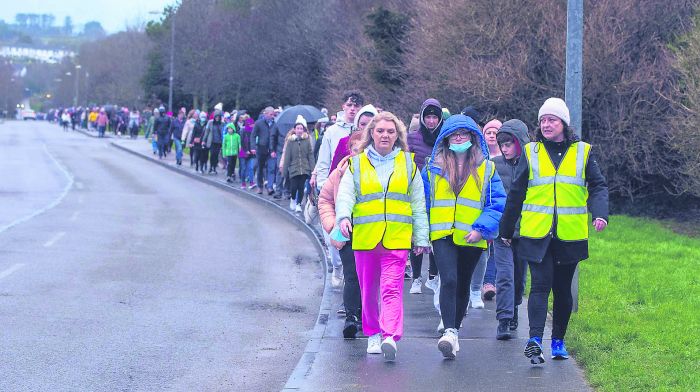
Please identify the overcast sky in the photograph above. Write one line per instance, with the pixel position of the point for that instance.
(114, 15)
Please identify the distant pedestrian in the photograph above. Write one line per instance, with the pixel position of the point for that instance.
(261, 140)
(213, 138)
(186, 130)
(298, 162)
(102, 121)
(178, 124)
(196, 142)
(230, 149)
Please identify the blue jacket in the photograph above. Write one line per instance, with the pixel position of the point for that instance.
(487, 222)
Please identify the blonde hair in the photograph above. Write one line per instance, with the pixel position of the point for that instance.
(448, 160)
(401, 140)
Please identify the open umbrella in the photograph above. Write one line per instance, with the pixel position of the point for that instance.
(286, 120)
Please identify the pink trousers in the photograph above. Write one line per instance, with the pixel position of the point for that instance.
(380, 272)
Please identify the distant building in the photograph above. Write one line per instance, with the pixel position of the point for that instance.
(47, 55)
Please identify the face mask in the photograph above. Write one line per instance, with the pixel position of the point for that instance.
(460, 148)
(193, 120)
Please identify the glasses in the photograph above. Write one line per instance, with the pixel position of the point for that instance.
(461, 135)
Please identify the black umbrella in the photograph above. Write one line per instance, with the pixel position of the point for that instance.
(286, 120)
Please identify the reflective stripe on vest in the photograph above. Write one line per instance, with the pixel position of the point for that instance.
(382, 215)
(561, 192)
(454, 215)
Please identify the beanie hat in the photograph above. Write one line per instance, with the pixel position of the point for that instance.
(493, 124)
(301, 120)
(432, 109)
(556, 107)
(219, 106)
(473, 113)
(367, 109)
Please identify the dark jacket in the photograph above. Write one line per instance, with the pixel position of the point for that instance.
(421, 142)
(533, 250)
(246, 141)
(261, 136)
(506, 167)
(197, 133)
(161, 126)
(213, 133)
(299, 156)
(177, 128)
(277, 139)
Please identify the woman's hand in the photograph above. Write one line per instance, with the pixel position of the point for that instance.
(337, 244)
(600, 224)
(345, 227)
(473, 237)
(419, 250)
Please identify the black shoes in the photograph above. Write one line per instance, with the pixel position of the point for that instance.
(351, 327)
(513, 325)
(502, 332)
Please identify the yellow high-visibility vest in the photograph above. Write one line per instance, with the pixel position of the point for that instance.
(454, 215)
(378, 215)
(553, 191)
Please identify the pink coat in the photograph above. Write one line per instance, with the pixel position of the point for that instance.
(326, 199)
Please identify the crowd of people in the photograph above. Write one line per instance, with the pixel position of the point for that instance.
(484, 200)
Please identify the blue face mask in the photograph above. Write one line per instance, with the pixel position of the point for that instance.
(460, 148)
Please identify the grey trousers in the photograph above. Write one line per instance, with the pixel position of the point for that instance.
(505, 286)
(479, 271)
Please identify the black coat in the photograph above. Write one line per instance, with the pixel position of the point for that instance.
(161, 126)
(261, 131)
(563, 252)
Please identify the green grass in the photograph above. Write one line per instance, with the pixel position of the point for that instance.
(639, 316)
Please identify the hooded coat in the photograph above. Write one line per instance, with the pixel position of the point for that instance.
(494, 203)
(421, 142)
(246, 143)
(298, 156)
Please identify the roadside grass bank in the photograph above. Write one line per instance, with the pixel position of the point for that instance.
(639, 313)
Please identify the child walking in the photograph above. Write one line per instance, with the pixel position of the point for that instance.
(230, 147)
(298, 162)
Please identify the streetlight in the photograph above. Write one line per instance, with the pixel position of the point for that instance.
(77, 82)
(172, 56)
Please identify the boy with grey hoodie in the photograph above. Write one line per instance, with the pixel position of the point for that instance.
(510, 271)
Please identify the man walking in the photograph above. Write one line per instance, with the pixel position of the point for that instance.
(261, 138)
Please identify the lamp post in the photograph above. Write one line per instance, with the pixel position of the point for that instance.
(77, 84)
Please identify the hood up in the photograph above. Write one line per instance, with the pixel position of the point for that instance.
(450, 126)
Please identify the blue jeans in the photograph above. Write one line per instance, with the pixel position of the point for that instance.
(272, 171)
(178, 150)
(154, 145)
(491, 268)
(478, 274)
(245, 169)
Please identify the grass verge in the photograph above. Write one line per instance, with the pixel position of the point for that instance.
(639, 310)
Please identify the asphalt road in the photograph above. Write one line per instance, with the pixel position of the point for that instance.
(119, 275)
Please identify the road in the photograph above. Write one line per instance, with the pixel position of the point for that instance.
(119, 275)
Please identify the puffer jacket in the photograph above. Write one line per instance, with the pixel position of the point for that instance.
(417, 143)
(326, 199)
(298, 156)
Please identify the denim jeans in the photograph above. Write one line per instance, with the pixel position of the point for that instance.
(246, 168)
(178, 150)
(491, 268)
(478, 275)
(272, 172)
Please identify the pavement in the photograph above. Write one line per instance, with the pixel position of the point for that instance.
(118, 275)
(331, 363)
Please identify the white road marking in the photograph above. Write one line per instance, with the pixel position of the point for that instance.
(74, 216)
(54, 203)
(53, 239)
(10, 270)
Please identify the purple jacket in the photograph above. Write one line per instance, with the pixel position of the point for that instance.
(416, 139)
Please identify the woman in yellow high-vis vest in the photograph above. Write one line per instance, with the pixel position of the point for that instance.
(465, 200)
(553, 190)
(382, 194)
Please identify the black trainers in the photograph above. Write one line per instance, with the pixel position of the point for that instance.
(350, 329)
(502, 332)
(533, 350)
(513, 325)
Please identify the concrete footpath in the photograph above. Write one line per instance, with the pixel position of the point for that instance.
(331, 363)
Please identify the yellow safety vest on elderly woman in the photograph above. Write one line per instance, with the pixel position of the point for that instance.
(454, 215)
(379, 215)
(553, 191)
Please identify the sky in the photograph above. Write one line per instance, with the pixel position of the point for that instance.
(114, 15)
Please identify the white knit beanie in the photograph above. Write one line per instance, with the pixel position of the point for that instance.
(556, 107)
(301, 120)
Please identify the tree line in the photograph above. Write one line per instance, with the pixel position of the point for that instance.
(641, 67)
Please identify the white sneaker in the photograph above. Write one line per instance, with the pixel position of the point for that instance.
(441, 327)
(292, 204)
(432, 284)
(475, 299)
(416, 286)
(389, 349)
(448, 343)
(337, 278)
(374, 344)
(298, 208)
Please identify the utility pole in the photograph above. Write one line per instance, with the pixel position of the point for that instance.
(574, 84)
(77, 83)
(172, 60)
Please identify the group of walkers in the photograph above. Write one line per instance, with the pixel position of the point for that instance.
(474, 197)
(484, 201)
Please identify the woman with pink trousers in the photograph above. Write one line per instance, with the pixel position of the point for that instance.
(381, 202)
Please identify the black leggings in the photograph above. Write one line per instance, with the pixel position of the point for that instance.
(547, 276)
(200, 157)
(214, 156)
(231, 167)
(456, 265)
(351, 291)
(417, 265)
(296, 186)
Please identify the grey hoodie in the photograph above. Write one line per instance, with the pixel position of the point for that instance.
(506, 167)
